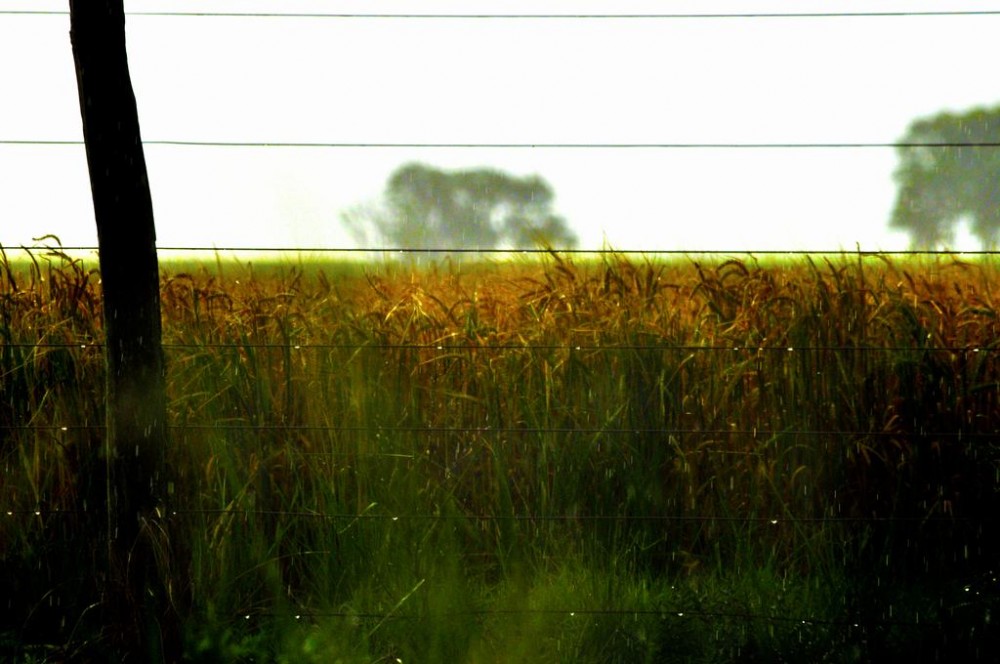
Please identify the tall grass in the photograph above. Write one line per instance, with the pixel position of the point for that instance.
(621, 460)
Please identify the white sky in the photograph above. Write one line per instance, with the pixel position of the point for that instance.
(733, 80)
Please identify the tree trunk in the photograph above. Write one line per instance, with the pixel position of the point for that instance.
(136, 603)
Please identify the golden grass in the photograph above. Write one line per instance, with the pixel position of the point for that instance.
(682, 418)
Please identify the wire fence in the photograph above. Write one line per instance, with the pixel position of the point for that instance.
(52, 250)
(444, 346)
(527, 146)
(754, 433)
(529, 16)
(673, 613)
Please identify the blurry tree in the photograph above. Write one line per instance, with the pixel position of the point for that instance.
(954, 179)
(427, 208)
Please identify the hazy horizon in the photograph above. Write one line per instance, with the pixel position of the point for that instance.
(343, 83)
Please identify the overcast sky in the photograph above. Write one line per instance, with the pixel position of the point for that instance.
(501, 80)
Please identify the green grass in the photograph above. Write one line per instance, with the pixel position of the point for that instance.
(526, 461)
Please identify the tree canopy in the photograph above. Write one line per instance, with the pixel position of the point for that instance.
(427, 208)
(949, 172)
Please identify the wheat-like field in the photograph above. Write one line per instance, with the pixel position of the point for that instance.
(557, 460)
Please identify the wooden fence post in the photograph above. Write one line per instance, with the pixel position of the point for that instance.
(135, 598)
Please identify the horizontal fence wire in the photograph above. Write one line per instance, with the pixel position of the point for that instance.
(664, 613)
(616, 612)
(444, 346)
(755, 433)
(529, 145)
(528, 16)
(557, 518)
(725, 253)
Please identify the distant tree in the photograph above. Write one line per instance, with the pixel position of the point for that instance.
(427, 208)
(955, 180)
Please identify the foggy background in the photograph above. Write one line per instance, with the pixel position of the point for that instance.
(670, 104)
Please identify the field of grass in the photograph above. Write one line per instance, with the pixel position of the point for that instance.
(611, 460)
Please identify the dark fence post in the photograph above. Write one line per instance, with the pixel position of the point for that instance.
(135, 599)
